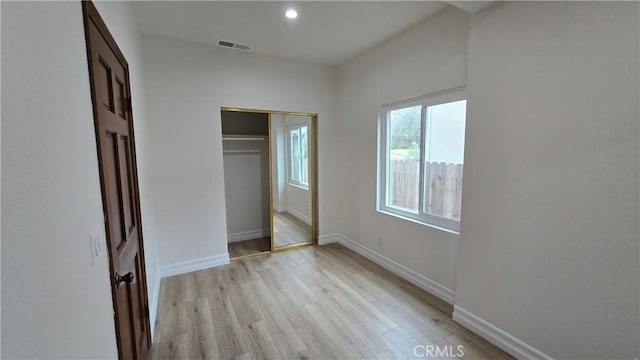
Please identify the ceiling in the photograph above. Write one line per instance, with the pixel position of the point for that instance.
(327, 33)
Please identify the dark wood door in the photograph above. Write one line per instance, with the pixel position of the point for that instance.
(111, 97)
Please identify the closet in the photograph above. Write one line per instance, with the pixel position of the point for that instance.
(245, 148)
(270, 180)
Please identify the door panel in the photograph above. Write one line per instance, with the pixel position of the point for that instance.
(118, 177)
(125, 185)
(121, 97)
(111, 172)
(102, 76)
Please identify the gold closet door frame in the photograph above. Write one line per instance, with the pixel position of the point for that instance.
(313, 176)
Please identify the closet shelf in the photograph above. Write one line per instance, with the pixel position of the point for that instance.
(244, 138)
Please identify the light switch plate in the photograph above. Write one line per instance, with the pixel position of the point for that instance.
(95, 240)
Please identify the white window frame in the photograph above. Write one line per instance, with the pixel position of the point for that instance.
(290, 179)
(422, 217)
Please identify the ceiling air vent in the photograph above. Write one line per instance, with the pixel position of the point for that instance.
(236, 46)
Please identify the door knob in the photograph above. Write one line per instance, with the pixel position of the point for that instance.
(128, 278)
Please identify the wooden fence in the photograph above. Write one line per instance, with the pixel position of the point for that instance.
(443, 187)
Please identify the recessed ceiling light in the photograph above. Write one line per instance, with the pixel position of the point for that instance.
(291, 14)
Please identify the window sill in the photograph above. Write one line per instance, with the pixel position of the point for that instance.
(450, 231)
(301, 187)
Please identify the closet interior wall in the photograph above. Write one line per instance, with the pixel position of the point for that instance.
(246, 175)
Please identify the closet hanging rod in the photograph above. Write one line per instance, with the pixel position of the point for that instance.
(244, 137)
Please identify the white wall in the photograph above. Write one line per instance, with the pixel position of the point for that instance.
(427, 58)
(55, 304)
(549, 240)
(186, 85)
(246, 179)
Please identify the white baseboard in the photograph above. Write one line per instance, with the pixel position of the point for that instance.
(496, 336)
(328, 239)
(248, 235)
(279, 208)
(194, 265)
(153, 307)
(300, 216)
(404, 272)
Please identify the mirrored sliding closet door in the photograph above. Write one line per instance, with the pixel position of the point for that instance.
(292, 179)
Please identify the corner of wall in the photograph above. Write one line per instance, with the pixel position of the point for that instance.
(194, 265)
(497, 336)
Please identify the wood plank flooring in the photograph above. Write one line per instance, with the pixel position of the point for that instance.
(249, 247)
(310, 303)
(289, 230)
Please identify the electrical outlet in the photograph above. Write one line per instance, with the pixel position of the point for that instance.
(95, 240)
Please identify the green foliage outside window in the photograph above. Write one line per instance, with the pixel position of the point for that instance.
(404, 134)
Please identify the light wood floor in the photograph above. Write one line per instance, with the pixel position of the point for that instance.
(310, 303)
(249, 247)
(289, 230)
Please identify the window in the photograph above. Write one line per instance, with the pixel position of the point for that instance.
(298, 154)
(421, 153)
